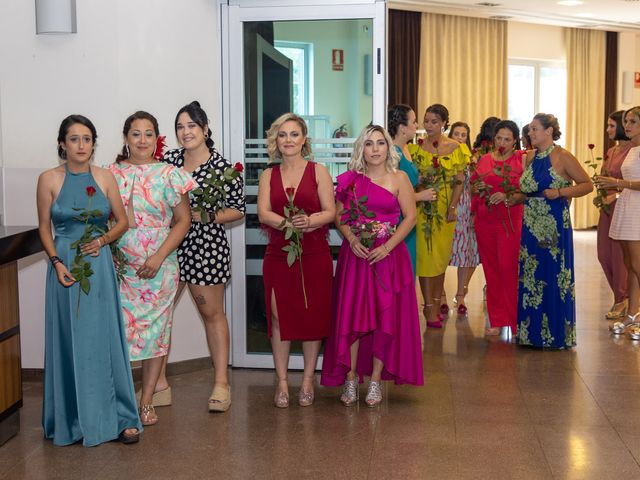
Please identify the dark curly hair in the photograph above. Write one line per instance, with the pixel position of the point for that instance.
(199, 117)
(397, 115)
(139, 115)
(441, 111)
(509, 125)
(67, 123)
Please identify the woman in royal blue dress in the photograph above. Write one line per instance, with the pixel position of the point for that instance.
(88, 389)
(546, 294)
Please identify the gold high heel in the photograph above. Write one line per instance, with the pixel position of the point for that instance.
(614, 314)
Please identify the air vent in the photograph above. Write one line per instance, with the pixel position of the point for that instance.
(488, 4)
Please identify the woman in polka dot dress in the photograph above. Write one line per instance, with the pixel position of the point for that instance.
(204, 255)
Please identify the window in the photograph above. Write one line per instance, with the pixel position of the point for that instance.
(536, 87)
(301, 54)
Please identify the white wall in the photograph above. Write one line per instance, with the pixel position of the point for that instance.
(628, 61)
(155, 55)
(528, 41)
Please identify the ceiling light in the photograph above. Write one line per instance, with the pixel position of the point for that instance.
(570, 3)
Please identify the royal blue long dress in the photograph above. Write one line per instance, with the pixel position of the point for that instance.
(412, 172)
(88, 388)
(546, 293)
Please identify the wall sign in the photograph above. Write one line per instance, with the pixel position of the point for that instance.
(337, 59)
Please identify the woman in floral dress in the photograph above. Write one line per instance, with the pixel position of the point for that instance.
(154, 194)
(546, 295)
(464, 254)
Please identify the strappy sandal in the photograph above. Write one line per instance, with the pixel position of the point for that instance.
(614, 314)
(281, 399)
(220, 399)
(148, 415)
(437, 323)
(462, 308)
(129, 438)
(619, 328)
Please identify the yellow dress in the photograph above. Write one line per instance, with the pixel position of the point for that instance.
(434, 253)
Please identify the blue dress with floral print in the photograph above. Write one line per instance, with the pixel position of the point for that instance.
(546, 293)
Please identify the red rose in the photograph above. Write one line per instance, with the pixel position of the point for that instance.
(591, 146)
(474, 151)
(91, 191)
(435, 144)
(484, 143)
(238, 167)
(436, 163)
(501, 150)
(160, 144)
(420, 141)
(290, 191)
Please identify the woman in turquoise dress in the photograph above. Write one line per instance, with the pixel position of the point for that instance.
(402, 125)
(546, 294)
(88, 389)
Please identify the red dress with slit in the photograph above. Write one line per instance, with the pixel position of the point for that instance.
(298, 322)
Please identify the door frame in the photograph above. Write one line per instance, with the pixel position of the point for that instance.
(233, 16)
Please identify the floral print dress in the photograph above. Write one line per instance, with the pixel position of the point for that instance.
(151, 191)
(546, 294)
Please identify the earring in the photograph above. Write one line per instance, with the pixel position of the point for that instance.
(206, 136)
(126, 149)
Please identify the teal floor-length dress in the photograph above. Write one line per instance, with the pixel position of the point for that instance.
(88, 388)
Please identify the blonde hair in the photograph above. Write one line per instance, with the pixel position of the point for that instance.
(634, 111)
(359, 164)
(272, 135)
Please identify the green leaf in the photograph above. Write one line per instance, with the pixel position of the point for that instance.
(291, 258)
(363, 199)
(85, 286)
(286, 211)
(287, 234)
(369, 214)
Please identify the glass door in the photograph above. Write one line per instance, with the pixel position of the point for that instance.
(323, 62)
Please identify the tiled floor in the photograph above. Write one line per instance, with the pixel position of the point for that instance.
(488, 410)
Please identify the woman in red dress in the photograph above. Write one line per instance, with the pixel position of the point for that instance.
(498, 224)
(297, 297)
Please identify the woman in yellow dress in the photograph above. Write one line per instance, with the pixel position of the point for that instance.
(441, 162)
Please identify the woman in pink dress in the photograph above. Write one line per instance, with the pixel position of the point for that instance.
(610, 253)
(624, 225)
(498, 224)
(375, 329)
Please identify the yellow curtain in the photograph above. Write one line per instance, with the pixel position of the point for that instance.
(586, 57)
(463, 65)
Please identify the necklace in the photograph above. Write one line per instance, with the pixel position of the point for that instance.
(373, 179)
(546, 152)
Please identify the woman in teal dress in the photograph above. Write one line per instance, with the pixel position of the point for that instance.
(402, 125)
(546, 294)
(88, 389)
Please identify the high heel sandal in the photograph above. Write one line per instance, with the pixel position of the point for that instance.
(129, 438)
(619, 328)
(281, 399)
(374, 394)
(462, 308)
(220, 399)
(148, 415)
(425, 312)
(305, 399)
(350, 392)
(614, 314)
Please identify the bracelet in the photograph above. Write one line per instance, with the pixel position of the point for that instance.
(100, 244)
(559, 194)
(452, 207)
(384, 245)
(55, 260)
(352, 240)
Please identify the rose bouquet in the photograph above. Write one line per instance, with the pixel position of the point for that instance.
(213, 193)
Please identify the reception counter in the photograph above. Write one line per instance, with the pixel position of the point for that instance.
(15, 243)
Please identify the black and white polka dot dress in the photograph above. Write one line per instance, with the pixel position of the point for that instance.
(204, 254)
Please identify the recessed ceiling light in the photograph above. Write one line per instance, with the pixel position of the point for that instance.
(570, 3)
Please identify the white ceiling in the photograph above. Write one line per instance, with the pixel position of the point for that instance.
(616, 15)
